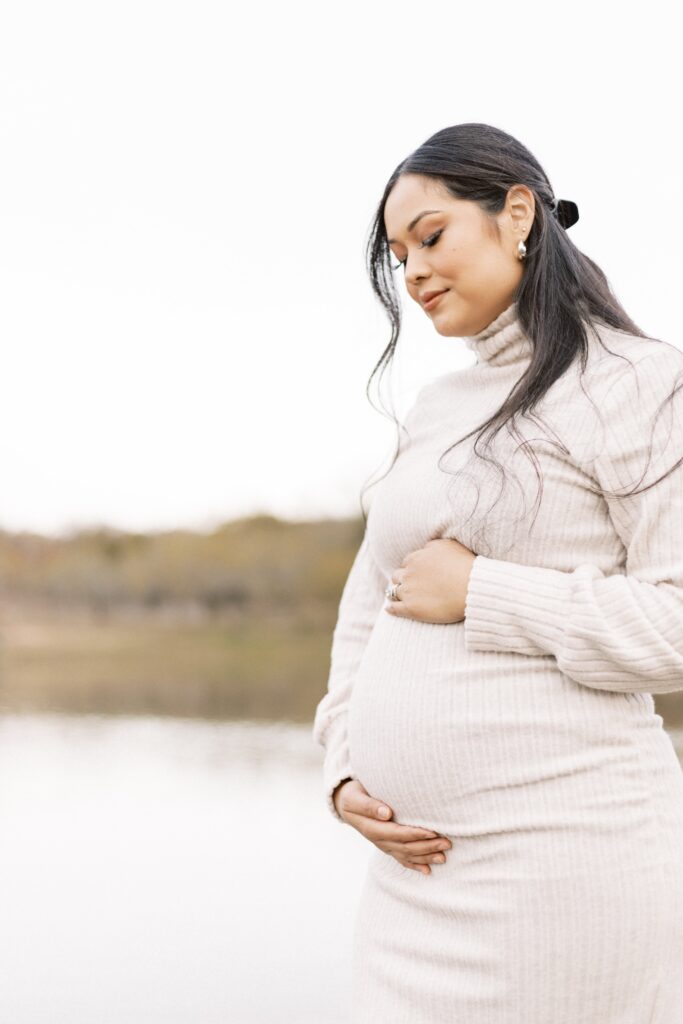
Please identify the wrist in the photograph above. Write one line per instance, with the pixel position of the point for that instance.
(336, 790)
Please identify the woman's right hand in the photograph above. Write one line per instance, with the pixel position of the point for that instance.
(412, 846)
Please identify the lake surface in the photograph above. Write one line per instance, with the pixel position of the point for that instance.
(166, 870)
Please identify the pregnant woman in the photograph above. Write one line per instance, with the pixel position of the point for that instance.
(516, 601)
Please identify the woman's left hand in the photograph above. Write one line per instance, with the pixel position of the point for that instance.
(433, 582)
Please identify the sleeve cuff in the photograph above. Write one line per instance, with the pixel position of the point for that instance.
(512, 607)
(337, 765)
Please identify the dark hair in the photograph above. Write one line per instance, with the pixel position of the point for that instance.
(562, 293)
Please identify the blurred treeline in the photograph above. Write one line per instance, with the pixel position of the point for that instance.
(232, 623)
(236, 622)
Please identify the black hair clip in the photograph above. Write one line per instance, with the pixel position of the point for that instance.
(566, 211)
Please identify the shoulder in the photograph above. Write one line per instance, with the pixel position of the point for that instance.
(619, 368)
(628, 394)
(640, 397)
(617, 357)
(640, 408)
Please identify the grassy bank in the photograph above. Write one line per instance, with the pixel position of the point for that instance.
(255, 669)
(232, 623)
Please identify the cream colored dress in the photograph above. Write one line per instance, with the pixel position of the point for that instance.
(527, 732)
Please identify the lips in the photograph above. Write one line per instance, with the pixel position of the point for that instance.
(429, 298)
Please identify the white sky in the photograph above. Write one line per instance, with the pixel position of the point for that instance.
(186, 323)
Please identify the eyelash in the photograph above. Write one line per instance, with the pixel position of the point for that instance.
(429, 242)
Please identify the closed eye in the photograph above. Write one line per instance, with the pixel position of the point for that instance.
(429, 242)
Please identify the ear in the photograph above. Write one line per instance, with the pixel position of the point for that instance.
(520, 205)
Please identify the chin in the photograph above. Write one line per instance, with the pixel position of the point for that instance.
(448, 327)
(451, 320)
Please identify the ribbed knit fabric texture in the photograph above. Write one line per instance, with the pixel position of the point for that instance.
(527, 732)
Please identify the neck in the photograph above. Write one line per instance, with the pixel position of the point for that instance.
(502, 341)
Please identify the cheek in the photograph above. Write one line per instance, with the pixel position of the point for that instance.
(451, 262)
(461, 265)
(480, 269)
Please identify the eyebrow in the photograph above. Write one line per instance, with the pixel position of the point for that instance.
(414, 222)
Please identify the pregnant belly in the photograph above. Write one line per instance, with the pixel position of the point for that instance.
(473, 742)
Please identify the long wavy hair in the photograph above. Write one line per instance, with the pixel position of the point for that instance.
(562, 293)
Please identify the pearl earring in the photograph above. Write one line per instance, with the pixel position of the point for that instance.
(521, 250)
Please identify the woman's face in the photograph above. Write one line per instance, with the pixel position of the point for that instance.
(454, 249)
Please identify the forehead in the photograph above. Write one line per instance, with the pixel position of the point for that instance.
(410, 195)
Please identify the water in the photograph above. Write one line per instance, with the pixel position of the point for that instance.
(164, 870)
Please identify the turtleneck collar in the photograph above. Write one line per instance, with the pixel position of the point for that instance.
(503, 341)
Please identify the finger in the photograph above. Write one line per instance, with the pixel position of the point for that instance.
(358, 801)
(389, 835)
(428, 858)
(373, 808)
(425, 846)
(419, 853)
(424, 869)
(398, 835)
(398, 576)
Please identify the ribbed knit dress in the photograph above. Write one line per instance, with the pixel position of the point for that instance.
(526, 732)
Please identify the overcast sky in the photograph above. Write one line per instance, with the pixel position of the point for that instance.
(186, 324)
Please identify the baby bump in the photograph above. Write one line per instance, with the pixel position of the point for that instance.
(406, 715)
(466, 742)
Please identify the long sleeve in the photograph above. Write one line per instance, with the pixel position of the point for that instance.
(361, 602)
(618, 632)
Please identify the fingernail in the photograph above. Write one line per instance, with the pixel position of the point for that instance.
(384, 812)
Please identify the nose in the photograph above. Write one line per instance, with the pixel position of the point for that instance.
(417, 269)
